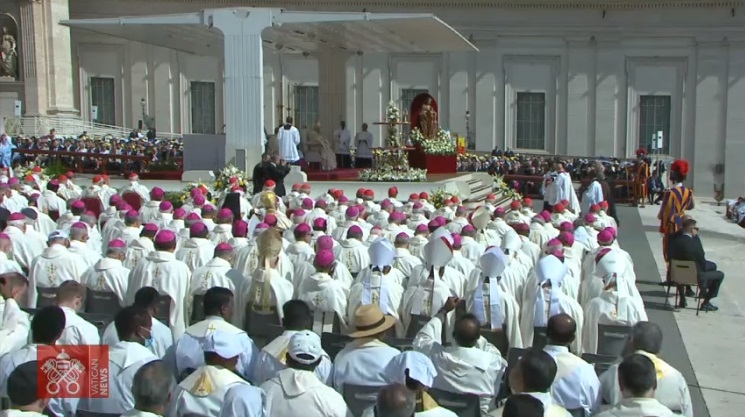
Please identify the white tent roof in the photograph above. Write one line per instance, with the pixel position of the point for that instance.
(292, 32)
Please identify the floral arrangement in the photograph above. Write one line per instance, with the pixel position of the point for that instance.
(388, 174)
(392, 114)
(186, 192)
(390, 159)
(53, 171)
(225, 175)
(441, 145)
(506, 190)
(438, 196)
(416, 136)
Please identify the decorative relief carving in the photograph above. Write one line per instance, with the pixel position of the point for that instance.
(8, 46)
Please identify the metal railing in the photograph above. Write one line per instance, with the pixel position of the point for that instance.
(67, 127)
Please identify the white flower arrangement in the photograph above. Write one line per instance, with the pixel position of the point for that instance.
(443, 144)
(416, 136)
(392, 114)
(223, 177)
(393, 175)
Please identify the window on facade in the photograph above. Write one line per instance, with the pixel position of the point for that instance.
(654, 116)
(103, 97)
(530, 124)
(203, 107)
(306, 106)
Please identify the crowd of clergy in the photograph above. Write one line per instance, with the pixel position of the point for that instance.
(227, 310)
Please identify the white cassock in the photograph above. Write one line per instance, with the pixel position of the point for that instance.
(162, 337)
(81, 249)
(169, 276)
(50, 201)
(216, 273)
(189, 355)
(565, 191)
(327, 300)
(14, 326)
(300, 252)
(379, 289)
(136, 187)
(202, 392)
(24, 250)
(19, 200)
(273, 358)
(8, 265)
(51, 268)
(609, 308)
(222, 233)
(354, 255)
(406, 263)
(592, 195)
(78, 331)
(289, 139)
(108, 274)
(472, 249)
(426, 298)
(127, 234)
(196, 252)
(294, 392)
(540, 303)
(125, 358)
(461, 264)
(672, 389)
(149, 212)
(137, 250)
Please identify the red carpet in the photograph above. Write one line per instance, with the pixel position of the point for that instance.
(343, 174)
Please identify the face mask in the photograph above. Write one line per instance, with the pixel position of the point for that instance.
(149, 340)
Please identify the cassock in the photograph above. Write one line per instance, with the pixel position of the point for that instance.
(500, 226)
(196, 252)
(592, 195)
(125, 359)
(354, 255)
(137, 250)
(216, 273)
(78, 331)
(576, 385)
(162, 337)
(539, 234)
(24, 250)
(202, 392)
(376, 288)
(546, 299)
(565, 191)
(162, 271)
(495, 308)
(87, 254)
(108, 274)
(273, 358)
(55, 265)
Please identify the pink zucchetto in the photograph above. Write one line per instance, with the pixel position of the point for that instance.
(157, 193)
(566, 238)
(13, 181)
(192, 217)
(442, 220)
(132, 214)
(554, 242)
(240, 228)
(325, 243)
(397, 215)
(611, 230)
(421, 228)
(468, 228)
(499, 210)
(590, 218)
(307, 204)
(457, 239)
(199, 200)
(521, 227)
(566, 227)
(319, 223)
(354, 229)
(461, 210)
(179, 213)
(79, 225)
(343, 200)
(117, 243)
(165, 206)
(546, 215)
(165, 236)
(150, 227)
(324, 258)
(115, 199)
(197, 228)
(225, 213)
(605, 237)
(271, 220)
(352, 212)
(195, 192)
(4, 236)
(16, 216)
(418, 206)
(78, 204)
(433, 224)
(302, 228)
(261, 226)
(224, 247)
(299, 213)
(208, 208)
(321, 204)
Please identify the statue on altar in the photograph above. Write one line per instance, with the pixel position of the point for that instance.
(8, 54)
(424, 115)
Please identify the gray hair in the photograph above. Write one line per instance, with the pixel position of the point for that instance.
(152, 385)
(77, 233)
(395, 400)
(116, 251)
(646, 336)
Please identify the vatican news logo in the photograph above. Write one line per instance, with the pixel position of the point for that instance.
(68, 371)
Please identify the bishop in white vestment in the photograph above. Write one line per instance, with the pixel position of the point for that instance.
(55, 265)
(109, 274)
(198, 250)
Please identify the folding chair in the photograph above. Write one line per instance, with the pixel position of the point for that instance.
(601, 363)
(333, 343)
(197, 308)
(46, 297)
(401, 344)
(513, 357)
(164, 309)
(464, 405)
(259, 322)
(497, 337)
(612, 338)
(101, 302)
(684, 273)
(359, 398)
(539, 337)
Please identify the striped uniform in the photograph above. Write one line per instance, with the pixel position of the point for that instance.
(675, 202)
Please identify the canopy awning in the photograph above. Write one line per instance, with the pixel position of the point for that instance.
(292, 32)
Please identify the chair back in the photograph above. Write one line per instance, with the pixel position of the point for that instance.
(92, 204)
(401, 344)
(359, 398)
(577, 412)
(274, 331)
(164, 309)
(83, 413)
(539, 337)
(601, 363)
(326, 322)
(259, 322)
(46, 297)
(683, 272)
(197, 308)
(101, 321)
(133, 199)
(333, 343)
(463, 405)
(497, 337)
(612, 339)
(101, 302)
(416, 323)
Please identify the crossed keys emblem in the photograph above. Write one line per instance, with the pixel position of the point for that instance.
(63, 370)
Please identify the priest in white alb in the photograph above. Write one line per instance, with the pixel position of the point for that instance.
(109, 274)
(55, 265)
(218, 272)
(354, 254)
(78, 244)
(405, 261)
(326, 296)
(198, 250)
(140, 247)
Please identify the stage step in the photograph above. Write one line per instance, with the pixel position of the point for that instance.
(480, 185)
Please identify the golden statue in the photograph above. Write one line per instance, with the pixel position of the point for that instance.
(427, 119)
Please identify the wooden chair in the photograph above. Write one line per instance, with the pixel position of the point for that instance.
(612, 338)
(197, 309)
(684, 273)
(539, 337)
(164, 309)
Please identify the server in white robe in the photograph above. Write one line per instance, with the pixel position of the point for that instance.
(297, 317)
(70, 296)
(14, 322)
(140, 247)
(198, 249)
(404, 260)
(542, 301)
(55, 265)
(354, 254)
(326, 296)
(134, 329)
(672, 389)
(218, 272)
(613, 306)
(592, 195)
(79, 246)
(470, 365)
(135, 186)
(169, 276)
(24, 250)
(149, 211)
(576, 385)
(109, 274)
(362, 361)
(495, 308)
(564, 188)
(202, 393)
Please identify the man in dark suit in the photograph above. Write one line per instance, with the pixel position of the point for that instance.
(686, 246)
(276, 170)
(259, 174)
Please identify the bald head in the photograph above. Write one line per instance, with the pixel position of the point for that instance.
(561, 330)
(467, 330)
(395, 400)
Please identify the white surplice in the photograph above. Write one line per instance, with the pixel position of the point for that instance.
(55, 265)
(127, 234)
(78, 331)
(50, 201)
(162, 271)
(281, 292)
(273, 358)
(196, 252)
(137, 250)
(202, 392)
(294, 392)
(108, 274)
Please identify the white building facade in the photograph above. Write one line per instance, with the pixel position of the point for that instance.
(551, 76)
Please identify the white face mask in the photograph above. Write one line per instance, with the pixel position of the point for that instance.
(133, 182)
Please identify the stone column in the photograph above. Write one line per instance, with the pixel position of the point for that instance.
(32, 35)
(59, 59)
(332, 92)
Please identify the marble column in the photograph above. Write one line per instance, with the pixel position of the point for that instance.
(32, 34)
(58, 58)
(332, 92)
